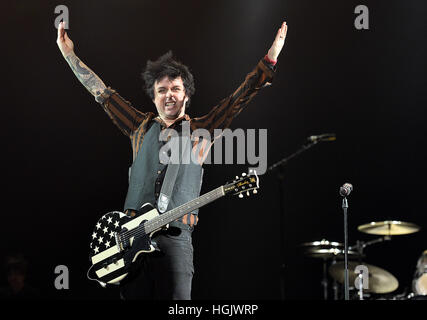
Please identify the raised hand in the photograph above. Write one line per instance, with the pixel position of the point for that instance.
(64, 43)
(83, 73)
(278, 43)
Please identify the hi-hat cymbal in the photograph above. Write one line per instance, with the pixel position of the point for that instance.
(332, 253)
(389, 228)
(326, 249)
(322, 244)
(380, 280)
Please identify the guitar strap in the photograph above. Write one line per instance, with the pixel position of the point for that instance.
(172, 171)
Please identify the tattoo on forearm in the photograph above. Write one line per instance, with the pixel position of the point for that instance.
(86, 76)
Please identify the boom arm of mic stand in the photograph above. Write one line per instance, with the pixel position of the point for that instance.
(303, 148)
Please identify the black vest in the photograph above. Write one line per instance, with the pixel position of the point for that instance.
(146, 169)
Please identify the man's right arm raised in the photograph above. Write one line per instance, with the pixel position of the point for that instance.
(85, 75)
(121, 111)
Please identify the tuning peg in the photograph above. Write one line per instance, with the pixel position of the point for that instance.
(243, 174)
(240, 195)
(255, 191)
(247, 193)
(237, 177)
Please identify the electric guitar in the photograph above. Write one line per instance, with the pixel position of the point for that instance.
(119, 239)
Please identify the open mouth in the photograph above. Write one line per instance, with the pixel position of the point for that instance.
(170, 105)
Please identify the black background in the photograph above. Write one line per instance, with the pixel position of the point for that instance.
(65, 164)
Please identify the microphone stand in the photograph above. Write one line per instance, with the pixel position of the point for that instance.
(346, 286)
(280, 165)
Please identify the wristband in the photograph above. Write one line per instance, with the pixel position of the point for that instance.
(267, 59)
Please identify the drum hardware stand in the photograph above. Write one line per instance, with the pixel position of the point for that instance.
(382, 239)
(311, 142)
(361, 245)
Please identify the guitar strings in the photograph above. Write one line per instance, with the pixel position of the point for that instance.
(160, 219)
(217, 193)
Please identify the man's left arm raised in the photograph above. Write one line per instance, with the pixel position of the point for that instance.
(221, 116)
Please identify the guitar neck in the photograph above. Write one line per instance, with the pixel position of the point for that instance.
(178, 212)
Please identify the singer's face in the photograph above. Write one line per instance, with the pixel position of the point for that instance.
(170, 98)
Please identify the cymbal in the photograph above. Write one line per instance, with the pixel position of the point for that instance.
(389, 228)
(326, 249)
(380, 280)
(322, 244)
(330, 253)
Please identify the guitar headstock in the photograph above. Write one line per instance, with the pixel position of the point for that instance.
(244, 184)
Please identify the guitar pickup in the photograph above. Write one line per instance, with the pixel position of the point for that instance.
(118, 242)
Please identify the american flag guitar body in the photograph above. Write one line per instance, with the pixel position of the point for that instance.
(118, 239)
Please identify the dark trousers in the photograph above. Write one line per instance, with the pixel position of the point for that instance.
(166, 274)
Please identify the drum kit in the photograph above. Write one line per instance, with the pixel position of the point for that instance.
(367, 281)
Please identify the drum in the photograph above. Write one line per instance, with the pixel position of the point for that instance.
(419, 283)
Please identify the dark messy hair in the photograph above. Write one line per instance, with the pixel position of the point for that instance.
(166, 65)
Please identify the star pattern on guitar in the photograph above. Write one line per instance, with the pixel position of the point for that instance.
(103, 237)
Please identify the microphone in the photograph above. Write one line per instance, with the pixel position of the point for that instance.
(346, 189)
(322, 137)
